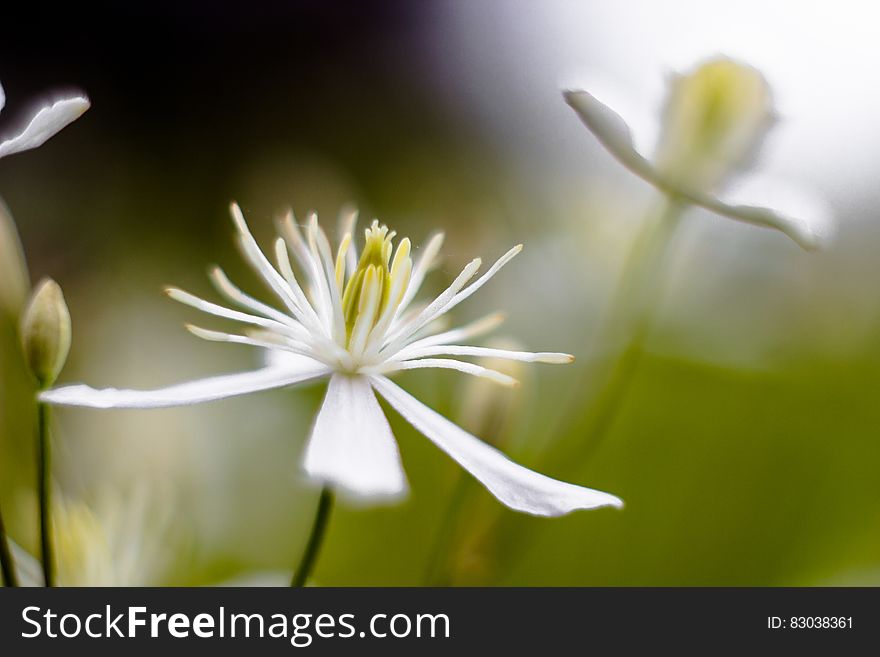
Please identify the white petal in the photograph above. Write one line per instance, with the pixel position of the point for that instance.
(28, 569)
(305, 313)
(479, 327)
(442, 364)
(404, 329)
(2, 97)
(348, 217)
(352, 446)
(517, 487)
(46, 122)
(320, 248)
(612, 131)
(183, 394)
(481, 281)
(287, 359)
(260, 263)
(421, 269)
(290, 328)
(227, 289)
(799, 213)
(293, 346)
(485, 352)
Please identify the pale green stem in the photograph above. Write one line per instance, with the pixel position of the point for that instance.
(622, 336)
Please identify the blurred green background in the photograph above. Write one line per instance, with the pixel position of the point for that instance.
(746, 448)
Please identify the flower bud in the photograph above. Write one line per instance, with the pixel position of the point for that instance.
(45, 332)
(714, 119)
(13, 271)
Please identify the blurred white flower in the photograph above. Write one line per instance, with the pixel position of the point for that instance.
(14, 284)
(122, 539)
(14, 279)
(715, 119)
(45, 123)
(355, 323)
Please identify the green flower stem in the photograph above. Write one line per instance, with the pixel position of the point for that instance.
(621, 337)
(44, 484)
(316, 538)
(6, 563)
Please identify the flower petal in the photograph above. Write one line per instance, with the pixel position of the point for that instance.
(799, 213)
(46, 122)
(421, 269)
(352, 446)
(484, 352)
(479, 327)
(448, 300)
(517, 487)
(391, 366)
(184, 394)
(611, 131)
(28, 569)
(614, 134)
(14, 280)
(290, 328)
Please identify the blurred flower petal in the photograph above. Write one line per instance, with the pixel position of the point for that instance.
(352, 446)
(14, 279)
(183, 394)
(611, 131)
(614, 134)
(796, 206)
(517, 487)
(28, 569)
(46, 122)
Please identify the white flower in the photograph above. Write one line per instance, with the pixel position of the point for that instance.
(14, 285)
(714, 121)
(123, 538)
(355, 323)
(47, 121)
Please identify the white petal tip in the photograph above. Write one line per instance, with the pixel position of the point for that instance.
(361, 496)
(501, 379)
(554, 358)
(237, 216)
(204, 334)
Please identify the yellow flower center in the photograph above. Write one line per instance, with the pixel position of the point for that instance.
(377, 286)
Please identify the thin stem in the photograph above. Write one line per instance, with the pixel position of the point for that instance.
(622, 336)
(316, 538)
(6, 563)
(44, 483)
(436, 574)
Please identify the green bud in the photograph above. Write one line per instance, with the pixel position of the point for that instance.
(14, 283)
(715, 118)
(45, 332)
